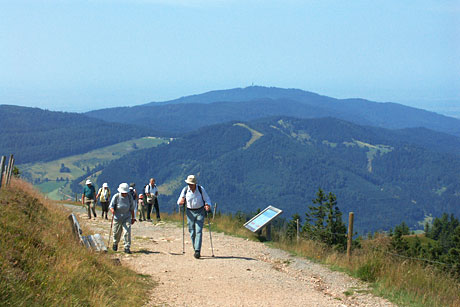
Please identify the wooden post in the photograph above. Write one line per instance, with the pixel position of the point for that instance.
(9, 169)
(2, 167)
(214, 212)
(298, 230)
(268, 231)
(350, 234)
(76, 197)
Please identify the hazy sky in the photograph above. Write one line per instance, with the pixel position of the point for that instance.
(81, 55)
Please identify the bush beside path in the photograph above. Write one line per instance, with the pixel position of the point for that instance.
(242, 273)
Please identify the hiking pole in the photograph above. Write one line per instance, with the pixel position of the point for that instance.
(210, 237)
(183, 229)
(110, 233)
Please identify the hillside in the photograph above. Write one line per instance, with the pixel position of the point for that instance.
(254, 102)
(42, 264)
(33, 135)
(379, 174)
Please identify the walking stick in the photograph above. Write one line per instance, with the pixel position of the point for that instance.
(183, 229)
(210, 237)
(110, 233)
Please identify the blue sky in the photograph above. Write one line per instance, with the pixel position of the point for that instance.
(82, 55)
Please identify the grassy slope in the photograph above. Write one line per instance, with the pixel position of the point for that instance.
(41, 263)
(78, 164)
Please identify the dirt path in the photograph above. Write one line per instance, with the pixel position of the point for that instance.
(242, 273)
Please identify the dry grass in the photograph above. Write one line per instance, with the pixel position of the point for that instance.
(42, 264)
(405, 282)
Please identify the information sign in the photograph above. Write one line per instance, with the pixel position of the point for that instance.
(263, 218)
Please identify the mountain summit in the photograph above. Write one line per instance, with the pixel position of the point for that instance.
(254, 102)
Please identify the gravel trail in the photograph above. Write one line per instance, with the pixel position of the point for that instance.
(242, 273)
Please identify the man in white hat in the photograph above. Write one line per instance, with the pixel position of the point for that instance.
(122, 208)
(198, 202)
(88, 198)
(104, 197)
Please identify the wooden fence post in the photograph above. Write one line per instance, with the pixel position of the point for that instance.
(298, 230)
(350, 234)
(9, 169)
(214, 212)
(2, 167)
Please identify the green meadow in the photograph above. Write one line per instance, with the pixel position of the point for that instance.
(54, 183)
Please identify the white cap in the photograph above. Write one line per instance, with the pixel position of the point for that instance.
(105, 185)
(88, 182)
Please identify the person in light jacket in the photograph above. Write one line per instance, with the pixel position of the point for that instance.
(122, 208)
(104, 198)
(197, 202)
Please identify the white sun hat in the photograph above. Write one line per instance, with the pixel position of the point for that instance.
(123, 188)
(191, 179)
(88, 182)
(105, 185)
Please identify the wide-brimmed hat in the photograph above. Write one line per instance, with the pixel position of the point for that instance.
(105, 185)
(123, 188)
(191, 179)
(88, 182)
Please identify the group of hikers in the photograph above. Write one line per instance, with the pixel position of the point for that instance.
(127, 203)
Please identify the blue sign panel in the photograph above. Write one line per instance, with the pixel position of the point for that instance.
(262, 219)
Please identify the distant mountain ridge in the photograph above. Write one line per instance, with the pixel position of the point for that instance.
(254, 102)
(33, 134)
(379, 174)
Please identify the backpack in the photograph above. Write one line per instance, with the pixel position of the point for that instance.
(133, 194)
(116, 197)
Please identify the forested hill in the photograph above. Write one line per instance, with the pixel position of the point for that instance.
(244, 104)
(33, 134)
(377, 173)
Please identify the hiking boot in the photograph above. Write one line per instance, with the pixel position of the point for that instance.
(127, 251)
(197, 255)
(115, 247)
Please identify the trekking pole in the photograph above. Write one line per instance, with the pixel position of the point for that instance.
(183, 229)
(210, 237)
(110, 233)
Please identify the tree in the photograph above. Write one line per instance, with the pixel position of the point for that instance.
(398, 243)
(324, 221)
(16, 172)
(314, 220)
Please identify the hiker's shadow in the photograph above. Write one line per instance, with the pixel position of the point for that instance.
(228, 257)
(145, 252)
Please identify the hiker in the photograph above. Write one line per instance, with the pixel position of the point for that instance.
(133, 193)
(198, 202)
(104, 198)
(141, 206)
(88, 198)
(151, 197)
(122, 207)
